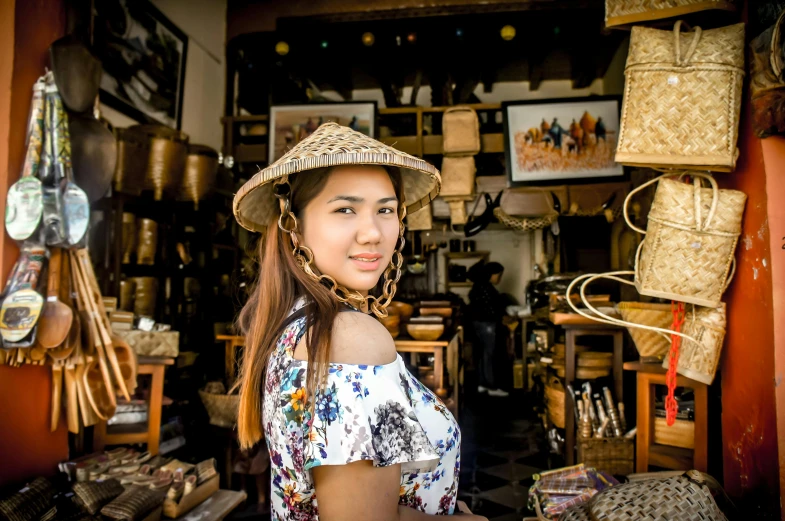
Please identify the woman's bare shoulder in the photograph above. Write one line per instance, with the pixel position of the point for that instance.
(361, 339)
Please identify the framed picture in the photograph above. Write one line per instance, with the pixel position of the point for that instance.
(143, 55)
(554, 141)
(290, 124)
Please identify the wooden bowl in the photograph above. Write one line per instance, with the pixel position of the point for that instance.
(401, 308)
(425, 331)
(391, 321)
(439, 312)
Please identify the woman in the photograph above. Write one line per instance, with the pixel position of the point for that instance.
(487, 309)
(351, 434)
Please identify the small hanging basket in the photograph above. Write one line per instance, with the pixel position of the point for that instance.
(201, 167)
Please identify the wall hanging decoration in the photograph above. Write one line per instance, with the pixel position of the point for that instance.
(682, 98)
(561, 139)
(622, 12)
(144, 67)
(290, 124)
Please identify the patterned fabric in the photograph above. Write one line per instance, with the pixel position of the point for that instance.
(378, 413)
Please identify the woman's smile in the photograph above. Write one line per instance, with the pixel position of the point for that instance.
(367, 261)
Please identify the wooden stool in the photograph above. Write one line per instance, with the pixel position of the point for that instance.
(572, 332)
(660, 455)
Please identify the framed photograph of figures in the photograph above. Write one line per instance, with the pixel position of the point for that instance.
(555, 141)
(143, 55)
(290, 124)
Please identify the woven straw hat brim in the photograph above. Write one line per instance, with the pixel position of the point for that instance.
(333, 145)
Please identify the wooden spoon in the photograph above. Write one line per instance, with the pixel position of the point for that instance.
(56, 317)
(72, 400)
(100, 397)
(57, 389)
(129, 364)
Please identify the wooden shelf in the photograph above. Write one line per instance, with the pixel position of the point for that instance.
(466, 254)
(432, 145)
(250, 153)
(460, 284)
(245, 119)
(669, 457)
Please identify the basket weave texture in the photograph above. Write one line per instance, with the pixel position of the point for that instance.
(682, 98)
(612, 455)
(166, 163)
(222, 408)
(554, 397)
(461, 131)
(29, 503)
(458, 175)
(621, 12)
(649, 344)
(688, 249)
(420, 220)
(673, 498)
(201, 167)
(133, 150)
(133, 504)
(699, 361)
(92, 495)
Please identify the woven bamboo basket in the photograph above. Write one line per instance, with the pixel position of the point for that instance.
(460, 131)
(613, 455)
(166, 163)
(222, 408)
(201, 167)
(682, 98)
(92, 495)
(420, 220)
(687, 254)
(699, 361)
(458, 175)
(29, 503)
(623, 12)
(649, 344)
(134, 504)
(524, 224)
(133, 151)
(554, 398)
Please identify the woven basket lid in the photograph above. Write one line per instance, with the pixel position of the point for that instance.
(333, 145)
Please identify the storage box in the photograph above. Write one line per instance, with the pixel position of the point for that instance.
(613, 455)
(461, 131)
(458, 176)
(153, 343)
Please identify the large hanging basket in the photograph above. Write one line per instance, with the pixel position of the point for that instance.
(649, 344)
(699, 360)
(623, 12)
(682, 98)
(221, 408)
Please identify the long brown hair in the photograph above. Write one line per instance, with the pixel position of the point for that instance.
(280, 282)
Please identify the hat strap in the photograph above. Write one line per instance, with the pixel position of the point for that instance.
(303, 256)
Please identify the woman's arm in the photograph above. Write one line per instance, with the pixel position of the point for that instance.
(360, 491)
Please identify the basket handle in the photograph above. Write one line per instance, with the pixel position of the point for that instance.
(693, 45)
(459, 108)
(601, 317)
(698, 225)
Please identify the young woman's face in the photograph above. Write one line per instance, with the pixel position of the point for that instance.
(352, 226)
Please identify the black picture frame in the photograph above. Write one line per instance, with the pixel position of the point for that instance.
(611, 107)
(338, 111)
(143, 76)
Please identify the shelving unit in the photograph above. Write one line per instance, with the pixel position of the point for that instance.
(478, 256)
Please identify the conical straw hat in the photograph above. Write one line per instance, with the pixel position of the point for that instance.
(332, 145)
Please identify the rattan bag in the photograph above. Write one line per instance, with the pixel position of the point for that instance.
(649, 344)
(687, 254)
(461, 131)
(682, 98)
(458, 175)
(622, 12)
(420, 220)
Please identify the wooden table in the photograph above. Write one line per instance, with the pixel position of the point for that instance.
(572, 332)
(152, 437)
(438, 349)
(649, 453)
(231, 343)
(215, 507)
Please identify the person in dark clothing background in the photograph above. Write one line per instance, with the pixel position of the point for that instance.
(486, 307)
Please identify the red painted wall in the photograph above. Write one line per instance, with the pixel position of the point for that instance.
(749, 428)
(26, 30)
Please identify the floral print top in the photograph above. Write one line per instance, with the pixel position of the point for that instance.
(378, 413)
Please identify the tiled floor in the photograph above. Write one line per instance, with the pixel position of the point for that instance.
(502, 449)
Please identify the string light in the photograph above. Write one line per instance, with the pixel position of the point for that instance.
(282, 48)
(324, 44)
(508, 32)
(459, 32)
(368, 39)
(411, 37)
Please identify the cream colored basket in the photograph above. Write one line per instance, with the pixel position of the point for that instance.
(461, 131)
(458, 175)
(622, 12)
(687, 254)
(649, 344)
(703, 331)
(420, 220)
(682, 98)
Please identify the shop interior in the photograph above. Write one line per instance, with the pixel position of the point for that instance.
(561, 158)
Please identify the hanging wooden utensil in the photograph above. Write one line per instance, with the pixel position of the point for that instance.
(94, 151)
(56, 317)
(24, 205)
(76, 207)
(57, 389)
(93, 323)
(53, 224)
(96, 307)
(129, 364)
(72, 403)
(100, 397)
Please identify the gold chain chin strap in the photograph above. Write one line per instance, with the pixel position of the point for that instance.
(303, 256)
